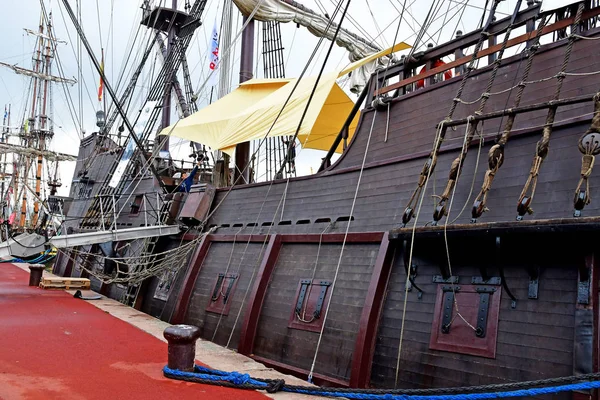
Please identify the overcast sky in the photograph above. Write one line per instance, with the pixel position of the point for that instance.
(116, 21)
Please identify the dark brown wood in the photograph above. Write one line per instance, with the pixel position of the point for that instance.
(227, 237)
(70, 262)
(185, 293)
(471, 38)
(461, 338)
(558, 225)
(523, 109)
(362, 237)
(369, 320)
(318, 379)
(257, 296)
(486, 52)
(217, 306)
(309, 305)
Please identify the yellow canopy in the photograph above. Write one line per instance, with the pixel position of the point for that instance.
(250, 111)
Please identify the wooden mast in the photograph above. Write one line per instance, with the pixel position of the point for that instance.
(41, 134)
(28, 141)
(242, 151)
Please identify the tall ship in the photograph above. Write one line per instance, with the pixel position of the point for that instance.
(445, 239)
(31, 208)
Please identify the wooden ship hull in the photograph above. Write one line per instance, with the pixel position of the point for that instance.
(318, 265)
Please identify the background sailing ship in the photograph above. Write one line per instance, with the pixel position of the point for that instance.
(416, 258)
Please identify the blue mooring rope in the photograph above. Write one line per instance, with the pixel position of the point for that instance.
(236, 378)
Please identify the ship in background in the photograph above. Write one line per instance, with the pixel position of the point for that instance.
(32, 210)
(452, 243)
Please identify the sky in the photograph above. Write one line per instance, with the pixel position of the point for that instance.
(110, 25)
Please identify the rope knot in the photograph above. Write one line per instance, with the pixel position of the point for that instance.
(561, 74)
(237, 378)
(485, 95)
(275, 386)
(485, 33)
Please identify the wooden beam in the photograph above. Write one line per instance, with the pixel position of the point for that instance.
(573, 226)
(490, 50)
(362, 237)
(257, 297)
(189, 281)
(362, 358)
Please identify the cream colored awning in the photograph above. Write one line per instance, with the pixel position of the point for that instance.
(252, 110)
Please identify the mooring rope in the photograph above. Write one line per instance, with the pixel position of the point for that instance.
(495, 391)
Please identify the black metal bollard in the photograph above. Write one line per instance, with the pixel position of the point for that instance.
(35, 276)
(182, 346)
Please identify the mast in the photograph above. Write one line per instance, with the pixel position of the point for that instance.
(166, 111)
(28, 135)
(43, 132)
(242, 150)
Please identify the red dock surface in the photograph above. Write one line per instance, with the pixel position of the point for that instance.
(53, 346)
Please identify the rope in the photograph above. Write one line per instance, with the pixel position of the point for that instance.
(337, 268)
(589, 147)
(410, 256)
(543, 145)
(456, 168)
(238, 380)
(496, 152)
(432, 160)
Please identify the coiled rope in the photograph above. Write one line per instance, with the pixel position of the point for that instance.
(504, 390)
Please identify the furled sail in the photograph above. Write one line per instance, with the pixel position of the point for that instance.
(320, 26)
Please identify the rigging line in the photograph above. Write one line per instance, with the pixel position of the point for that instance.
(466, 143)
(542, 146)
(225, 276)
(375, 23)
(443, 22)
(337, 268)
(410, 256)
(481, 142)
(263, 140)
(235, 39)
(314, 89)
(455, 169)
(79, 68)
(70, 104)
(359, 27)
(282, 199)
(310, 286)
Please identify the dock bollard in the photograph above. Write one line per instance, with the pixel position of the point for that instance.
(182, 346)
(35, 276)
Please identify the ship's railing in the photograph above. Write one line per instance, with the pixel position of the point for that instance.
(403, 78)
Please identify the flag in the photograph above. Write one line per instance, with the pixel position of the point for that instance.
(101, 86)
(213, 57)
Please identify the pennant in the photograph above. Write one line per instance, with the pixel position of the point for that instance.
(213, 57)
(101, 85)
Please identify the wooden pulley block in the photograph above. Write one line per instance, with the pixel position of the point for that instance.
(477, 210)
(580, 201)
(440, 211)
(407, 216)
(590, 141)
(523, 207)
